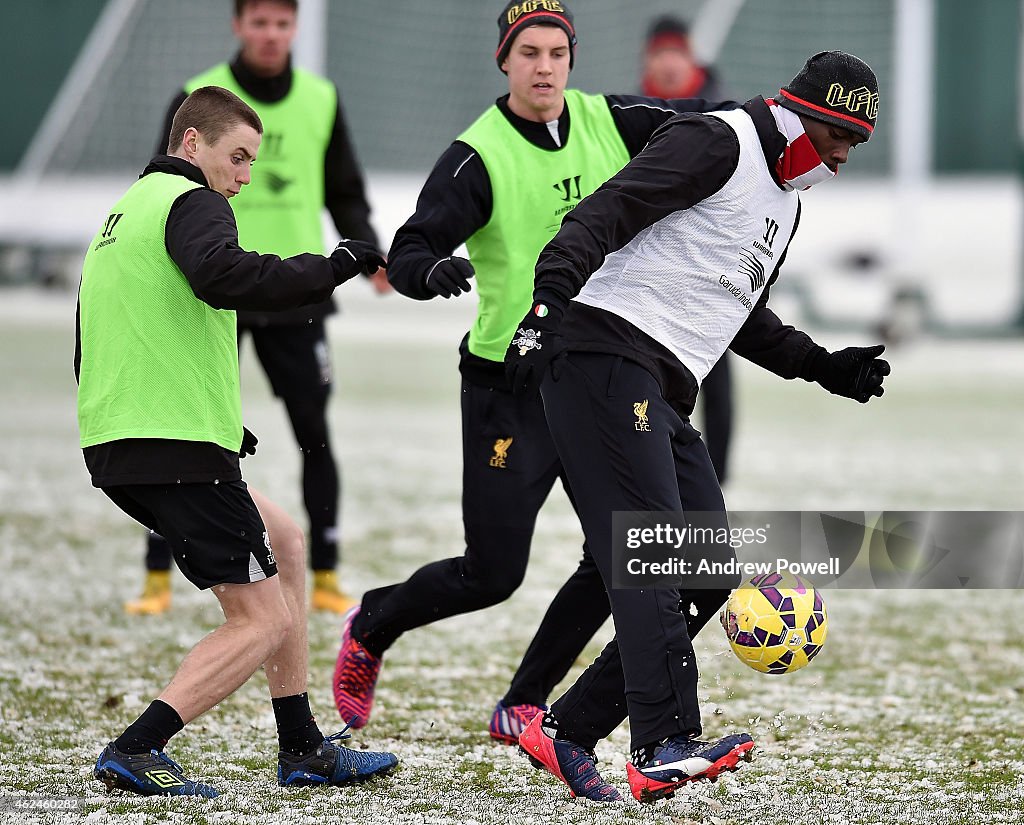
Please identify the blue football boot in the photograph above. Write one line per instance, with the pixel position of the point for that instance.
(332, 764)
(148, 774)
(680, 760)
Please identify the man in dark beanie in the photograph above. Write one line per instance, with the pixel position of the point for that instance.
(646, 284)
(836, 88)
(519, 16)
(502, 188)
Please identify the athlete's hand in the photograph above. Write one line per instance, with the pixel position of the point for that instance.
(449, 277)
(351, 258)
(534, 346)
(249, 442)
(854, 372)
(379, 281)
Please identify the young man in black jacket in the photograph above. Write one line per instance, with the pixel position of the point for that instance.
(307, 164)
(159, 414)
(502, 188)
(638, 295)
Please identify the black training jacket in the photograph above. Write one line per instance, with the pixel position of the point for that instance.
(456, 199)
(636, 199)
(202, 239)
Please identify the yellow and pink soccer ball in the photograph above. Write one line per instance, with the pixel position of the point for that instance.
(776, 622)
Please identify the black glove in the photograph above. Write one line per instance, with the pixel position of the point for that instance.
(449, 277)
(534, 346)
(854, 372)
(351, 258)
(249, 442)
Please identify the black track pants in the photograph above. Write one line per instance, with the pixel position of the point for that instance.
(509, 467)
(619, 458)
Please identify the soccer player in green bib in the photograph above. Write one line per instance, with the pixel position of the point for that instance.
(307, 163)
(502, 188)
(160, 422)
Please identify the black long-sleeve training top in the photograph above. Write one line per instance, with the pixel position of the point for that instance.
(692, 158)
(456, 199)
(202, 239)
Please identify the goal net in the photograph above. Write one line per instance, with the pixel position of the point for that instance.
(414, 74)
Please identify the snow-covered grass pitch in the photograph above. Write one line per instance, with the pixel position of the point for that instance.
(913, 712)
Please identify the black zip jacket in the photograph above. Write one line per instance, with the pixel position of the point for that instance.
(456, 199)
(344, 188)
(201, 238)
(664, 179)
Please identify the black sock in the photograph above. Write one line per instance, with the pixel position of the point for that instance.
(158, 723)
(357, 633)
(297, 731)
(644, 754)
(559, 730)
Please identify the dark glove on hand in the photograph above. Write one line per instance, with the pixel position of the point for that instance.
(449, 277)
(534, 346)
(351, 258)
(854, 372)
(249, 442)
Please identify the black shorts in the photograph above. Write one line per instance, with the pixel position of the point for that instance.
(296, 359)
(214, 530)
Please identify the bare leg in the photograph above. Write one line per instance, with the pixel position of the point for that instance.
(257, 623)
(265, 623)
(287, 668)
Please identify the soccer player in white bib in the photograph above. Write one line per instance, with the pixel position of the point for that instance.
(647, 283)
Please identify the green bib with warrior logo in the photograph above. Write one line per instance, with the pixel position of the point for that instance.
(532, 190)
(279, 212)
(156, 361)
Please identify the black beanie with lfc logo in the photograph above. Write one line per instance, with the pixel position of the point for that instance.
(519, 14)
(837, 88)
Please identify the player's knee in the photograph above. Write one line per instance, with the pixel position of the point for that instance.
(495, 593)
(289, 544)
(283, 627)
(498, 584)
(278, 624)
(495, 562)
(309, 422)
(587, 570)
(259, 612)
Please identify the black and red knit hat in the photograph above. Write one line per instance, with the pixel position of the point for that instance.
(837, 88)
(668, 32)
(519, 14)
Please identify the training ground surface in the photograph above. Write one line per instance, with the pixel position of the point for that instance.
(912, 712)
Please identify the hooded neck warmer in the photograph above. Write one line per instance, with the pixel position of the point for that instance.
(799, 167)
